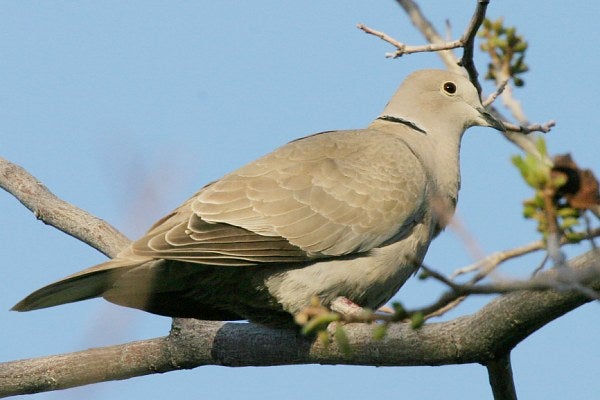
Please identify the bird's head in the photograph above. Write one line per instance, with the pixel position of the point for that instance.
(438, 102)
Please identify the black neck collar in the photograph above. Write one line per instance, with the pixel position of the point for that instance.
(403, 121)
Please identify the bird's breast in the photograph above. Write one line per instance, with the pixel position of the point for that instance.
(369, 280)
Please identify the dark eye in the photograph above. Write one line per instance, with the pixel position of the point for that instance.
(449, 87)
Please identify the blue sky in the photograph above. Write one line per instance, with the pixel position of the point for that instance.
(126, 108)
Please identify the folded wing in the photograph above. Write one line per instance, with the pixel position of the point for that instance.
(331, 194)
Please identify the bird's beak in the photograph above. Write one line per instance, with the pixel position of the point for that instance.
(487, 119)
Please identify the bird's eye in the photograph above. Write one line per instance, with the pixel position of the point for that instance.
(449, 87)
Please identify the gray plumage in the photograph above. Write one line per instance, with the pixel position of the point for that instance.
(340, 213)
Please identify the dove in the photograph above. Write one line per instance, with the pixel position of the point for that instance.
(347, 213)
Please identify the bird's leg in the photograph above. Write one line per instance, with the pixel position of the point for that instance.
(349, 309)
(350, 312)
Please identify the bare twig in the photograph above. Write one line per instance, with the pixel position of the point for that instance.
(553, 238)
(544, 128)
(451, 299)
(428, 30)
(470, 242)
(58, 213)
(403, 49)
(560, 279)
(489, 263)
(466, 41)
(493, 96)
(437, 44)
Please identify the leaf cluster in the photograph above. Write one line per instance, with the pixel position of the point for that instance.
(317, 320)
(506, 49)
(548, 201)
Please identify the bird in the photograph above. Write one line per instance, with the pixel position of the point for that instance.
(348, 213)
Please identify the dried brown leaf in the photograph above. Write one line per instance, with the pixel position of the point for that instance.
(581, 189)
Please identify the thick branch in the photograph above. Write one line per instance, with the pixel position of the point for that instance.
(482, 338)
(58, 213)
(501, 378)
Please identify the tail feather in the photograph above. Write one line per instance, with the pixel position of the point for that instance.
(87, 284)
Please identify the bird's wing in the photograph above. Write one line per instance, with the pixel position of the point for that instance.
(331, 194)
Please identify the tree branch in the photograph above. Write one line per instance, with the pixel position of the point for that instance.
(478, 338)
(428, 30)
(468, 39)
(561, 279)
(58, 213)
(403, 49)
(495, 329)
(515, 133)
(501, 378)
(452, 298)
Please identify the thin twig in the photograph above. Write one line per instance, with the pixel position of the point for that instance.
(58, 213)
(489, 263)
(429, 32)
(468, 40)
(544, 128)
(493, 96)
(553, 230)
(561, 279)
(451, 299)
(403, 49)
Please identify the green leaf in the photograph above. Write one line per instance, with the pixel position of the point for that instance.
(559, 180)
(399, 311)
(423, 275)
(538, 200)
(341, 338)
(566, 212)
(319, 322)
(520, 47)
(417, 320)
(574, 237)
(529, 211)
(520, 164)
(380, 331)
(497, 25)
(541, 146)
(569, 222)
(323, 337)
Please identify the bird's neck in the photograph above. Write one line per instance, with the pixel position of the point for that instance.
(440, 156)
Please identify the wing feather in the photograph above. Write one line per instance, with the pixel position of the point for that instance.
(331, 194)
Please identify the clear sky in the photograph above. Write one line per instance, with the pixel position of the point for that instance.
(126, 108)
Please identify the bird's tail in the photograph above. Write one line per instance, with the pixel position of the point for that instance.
(86, 284)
